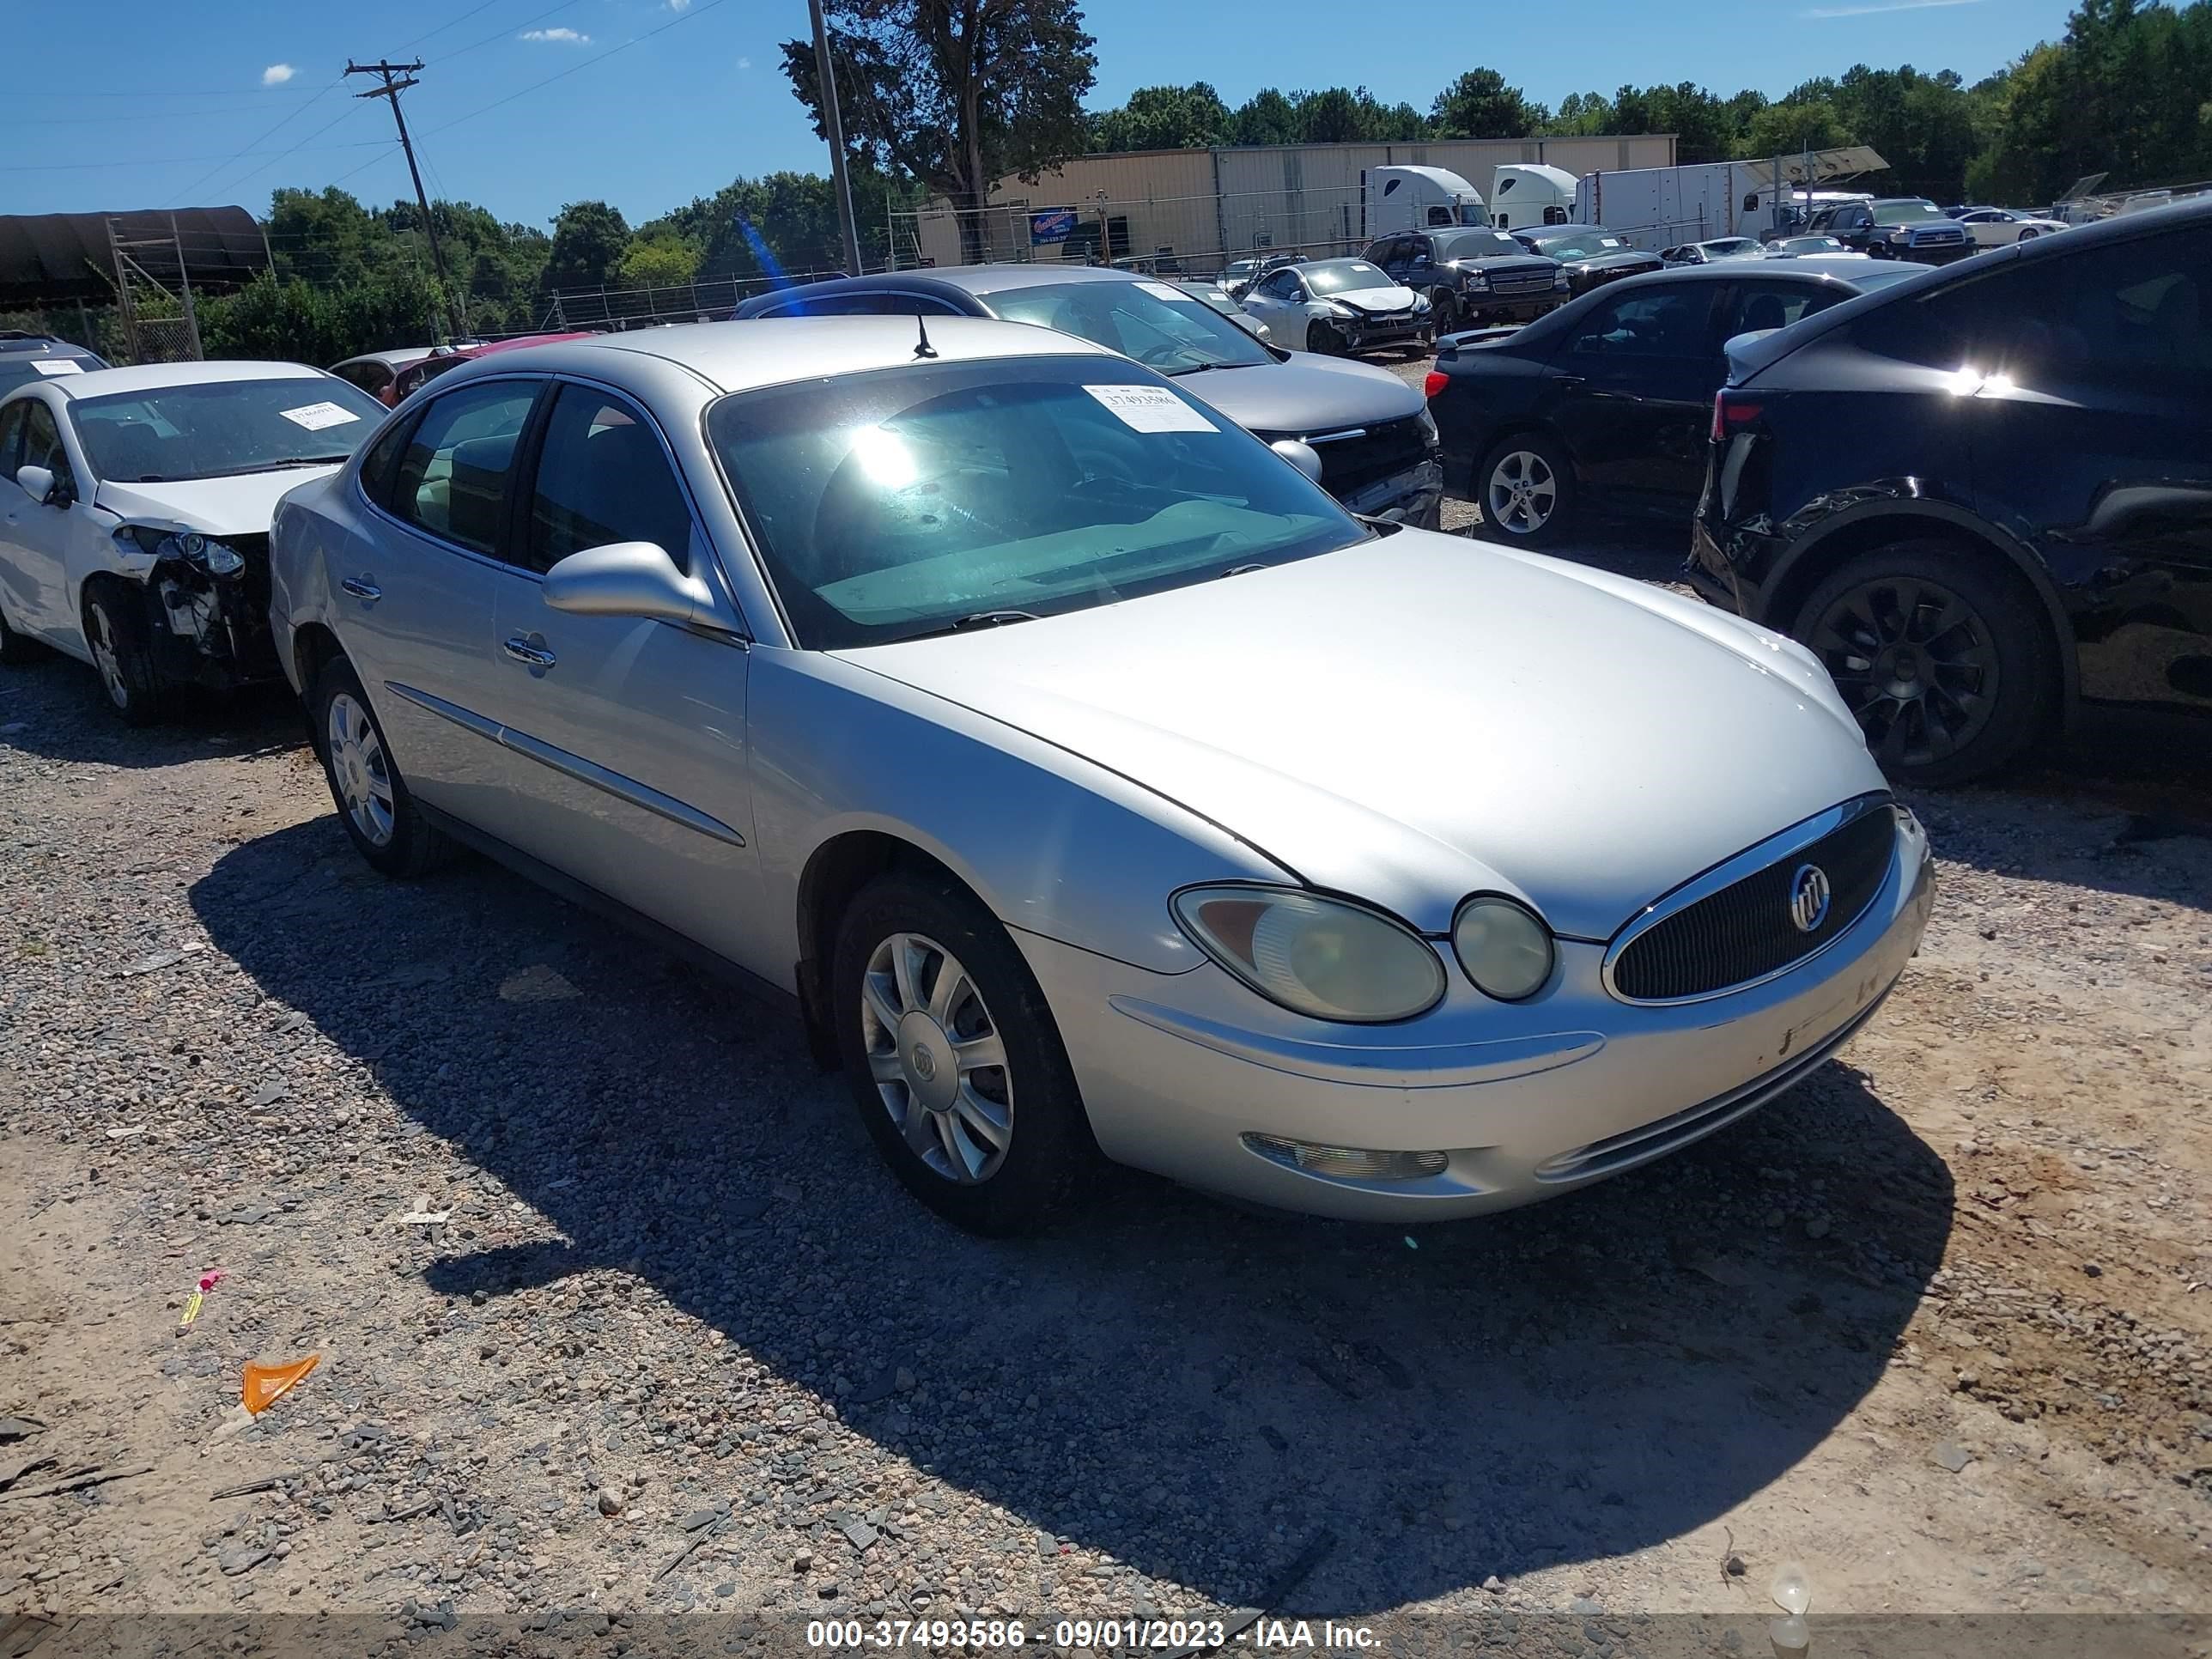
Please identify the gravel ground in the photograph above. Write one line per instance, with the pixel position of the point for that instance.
(1934, 1325)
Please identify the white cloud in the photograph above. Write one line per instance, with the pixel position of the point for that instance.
(1883, 6)
(679, 5)
(278, 73)
(564, 37)
(744, 63)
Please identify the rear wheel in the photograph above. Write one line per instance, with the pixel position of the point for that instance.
(1942, 657)
(117, 638)
(954, 1061)
(1526, 489)
(374, 804)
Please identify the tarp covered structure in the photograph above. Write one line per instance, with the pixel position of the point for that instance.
(51, 259)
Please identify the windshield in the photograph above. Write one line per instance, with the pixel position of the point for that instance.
(1580, 247)
(1905, 213)
(1152, 322)
(1343, 276)
(22, 368)
(220, 429)
(918, 499)
(1211, 298)
(1477, 245)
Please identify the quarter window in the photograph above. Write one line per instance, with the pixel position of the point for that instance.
(602, 478)
(452, 479)
(1772, 305)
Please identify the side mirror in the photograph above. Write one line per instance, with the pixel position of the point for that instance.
(38, 483)
(630, 579)
(1302, 455)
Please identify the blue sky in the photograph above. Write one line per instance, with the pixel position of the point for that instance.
(671, 98)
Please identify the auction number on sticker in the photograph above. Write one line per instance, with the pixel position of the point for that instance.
(982, 1634)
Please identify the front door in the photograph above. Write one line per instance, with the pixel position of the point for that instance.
(414, 592)
(625, 738)
(1632, 393)
(41, 538)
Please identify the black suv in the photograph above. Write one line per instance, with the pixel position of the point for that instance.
(1472, 276)
(1899, 228)
(1983, 495)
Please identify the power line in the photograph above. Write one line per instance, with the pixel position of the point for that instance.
(395, 79)
(512, 30)
(449, 23)
(248, 149)
(256, 172)
(699, 10)
(189, 160)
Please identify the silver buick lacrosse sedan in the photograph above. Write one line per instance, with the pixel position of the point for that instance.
(1090, 781)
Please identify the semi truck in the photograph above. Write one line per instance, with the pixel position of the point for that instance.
(1415, 198)
(1522, 195)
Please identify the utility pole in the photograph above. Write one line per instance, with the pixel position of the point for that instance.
(833, 128)
(391, 87)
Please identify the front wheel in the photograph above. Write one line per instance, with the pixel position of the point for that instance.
(1443, 311)
(955, 1063)
(1526, 489)
(117, 637)
(1323, 338)
(1942, 659)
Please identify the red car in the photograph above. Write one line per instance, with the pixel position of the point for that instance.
(446, 358)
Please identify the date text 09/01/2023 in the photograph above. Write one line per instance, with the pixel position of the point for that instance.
(1136, 1635)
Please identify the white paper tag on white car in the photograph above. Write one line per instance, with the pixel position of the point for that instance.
(1150, 408)
(1164, 291)
(316, 417)
(60, 365)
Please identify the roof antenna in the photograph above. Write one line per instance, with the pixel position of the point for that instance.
(922, 348)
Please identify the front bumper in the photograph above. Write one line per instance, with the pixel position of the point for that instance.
(1524, 1102)
(1413, 497)
(1367, 331)
(212, 632)
(1481, 308)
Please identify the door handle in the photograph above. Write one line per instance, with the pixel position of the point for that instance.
(523, 652)
(368, 592)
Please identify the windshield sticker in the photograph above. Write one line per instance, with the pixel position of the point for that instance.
(1162, 291)
(1150, 408)
(65, 366)
(316, 417)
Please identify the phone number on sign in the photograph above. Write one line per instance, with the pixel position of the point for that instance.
(1165, 1633)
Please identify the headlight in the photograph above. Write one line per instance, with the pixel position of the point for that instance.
(1505, 950)
(1559, 283)
(1338, 308)
(1421, 303)
(1478, 279)
(209, 554)
(1318, 957)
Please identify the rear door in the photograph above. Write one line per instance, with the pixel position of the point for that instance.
(414, 592)
(2091, 424)
(627, 735)
(1632, 391)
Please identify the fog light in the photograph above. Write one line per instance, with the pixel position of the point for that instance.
(1346, 1162)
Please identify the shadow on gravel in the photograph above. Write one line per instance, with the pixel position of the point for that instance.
(62, 714)
(1194, 1389)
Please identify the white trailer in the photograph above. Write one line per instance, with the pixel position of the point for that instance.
(1415, 198)
(1524, 194)
(1655, 207)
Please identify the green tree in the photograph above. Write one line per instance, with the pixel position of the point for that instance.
(589, 240)
(956, 94)
(1165, 118)
(1480, 105)
(1266, 117)
(658, 261)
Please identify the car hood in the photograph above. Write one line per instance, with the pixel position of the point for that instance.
(1374, 300)
(1619, 260)
(1306, 394)
(1420, 717)
(1505, 265)
(216, 506)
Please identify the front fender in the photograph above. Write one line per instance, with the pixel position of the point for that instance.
(1050, 842)
(299, 575)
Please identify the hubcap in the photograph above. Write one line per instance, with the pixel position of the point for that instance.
(1917, 664)
(1522, 493)
(936, 1057)
(104, 658)
(360, 770)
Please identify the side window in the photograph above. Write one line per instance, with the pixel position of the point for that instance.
(452, 480)
(1440, 215)
(42, 445)
(1771, 305)
(1417, 250)
(1284, 285)
(602, 476)
(11, 438)
(377, 466)
(1649, 322)
(371, 377)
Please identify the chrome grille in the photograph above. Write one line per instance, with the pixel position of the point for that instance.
(1745, 931)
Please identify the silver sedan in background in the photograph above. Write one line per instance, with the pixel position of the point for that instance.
(1087, 777)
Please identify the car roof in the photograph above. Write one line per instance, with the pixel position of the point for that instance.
(15, 340)
(161, 377)
(400, 357)
(739, 356)
(1541, 233)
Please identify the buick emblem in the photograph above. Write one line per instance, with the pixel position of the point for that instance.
(1808, 897)
(925, 1063)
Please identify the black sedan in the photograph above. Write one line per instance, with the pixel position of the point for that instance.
(1984, 498)
(1603, 404)
(1592, 254)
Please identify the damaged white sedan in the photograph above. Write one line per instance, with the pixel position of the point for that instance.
(136, 537)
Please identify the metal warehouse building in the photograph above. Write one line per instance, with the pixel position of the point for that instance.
(1203, 205)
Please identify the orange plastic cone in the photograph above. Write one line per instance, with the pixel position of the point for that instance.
(267, 1384)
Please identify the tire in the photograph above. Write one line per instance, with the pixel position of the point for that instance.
(373, 803)
(1443, 313)
(998, 1150)
(1323, 339)
(1525, 487)
(2027, 235)
(117, 637)
(1943, 657)
(19, 650)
